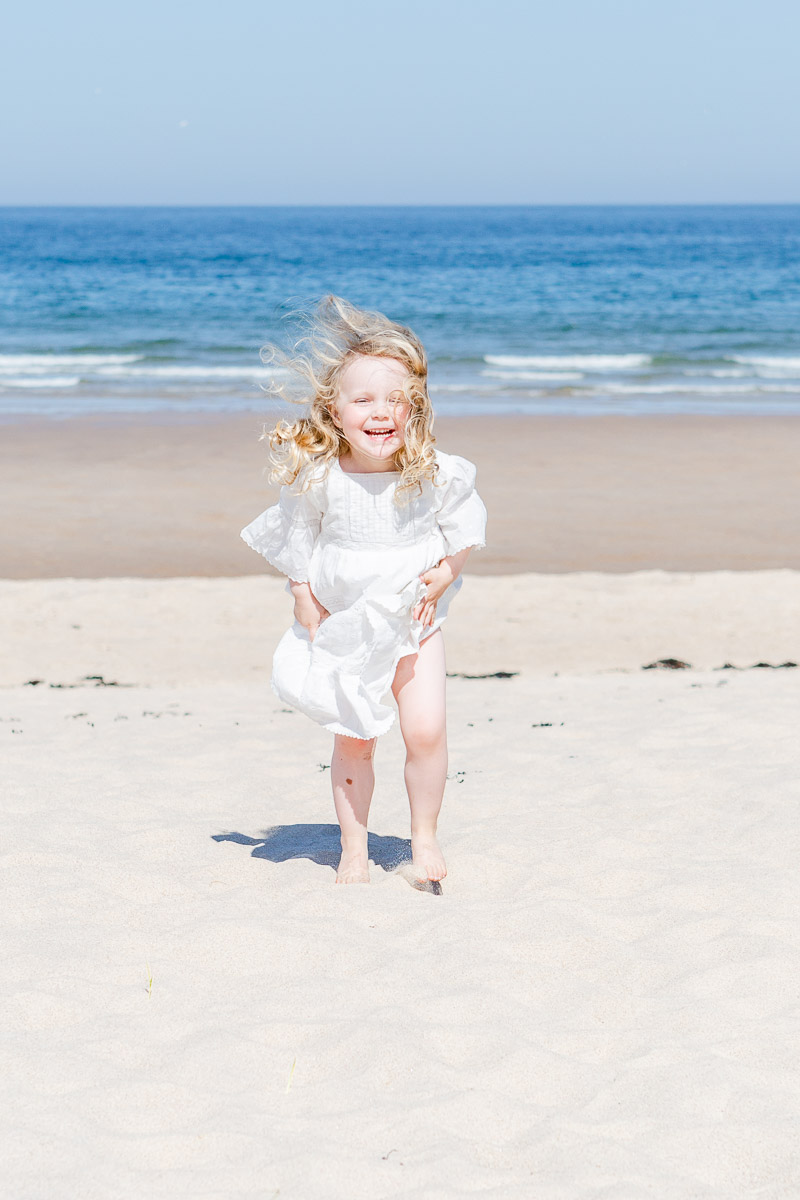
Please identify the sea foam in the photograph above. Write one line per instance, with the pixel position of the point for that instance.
(190, 371)
(41, 381)
(567, 362)
(689, 389)
(39, 363)
(534, 376)
(782, 363)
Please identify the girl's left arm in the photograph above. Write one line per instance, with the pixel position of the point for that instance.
(461, 517)
(438, 580)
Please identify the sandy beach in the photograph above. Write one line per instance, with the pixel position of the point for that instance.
(95, 497)
(602, 1002)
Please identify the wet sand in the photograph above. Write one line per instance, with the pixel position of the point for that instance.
(167, 496)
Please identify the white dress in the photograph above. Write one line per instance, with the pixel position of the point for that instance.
(362, 556)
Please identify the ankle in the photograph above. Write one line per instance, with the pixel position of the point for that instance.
(354, 843)
(423, 832)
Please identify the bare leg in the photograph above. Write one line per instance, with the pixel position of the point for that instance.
(353, 780)
(419, 689)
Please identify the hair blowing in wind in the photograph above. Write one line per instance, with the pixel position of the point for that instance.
(333, 334)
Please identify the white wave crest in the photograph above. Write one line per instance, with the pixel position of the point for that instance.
(689, 389)
(41, 381)
(567, 362)
(482, 388)
(36, 364)
(783, 363)
(189, 372)
(534, 376)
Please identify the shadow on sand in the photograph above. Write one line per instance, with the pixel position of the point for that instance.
(319, 844)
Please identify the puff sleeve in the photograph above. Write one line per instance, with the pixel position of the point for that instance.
(286, 533)
(460, 511)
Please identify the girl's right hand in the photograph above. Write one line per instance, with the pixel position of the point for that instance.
(308, 611)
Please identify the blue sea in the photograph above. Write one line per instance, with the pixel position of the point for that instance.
(573, 310)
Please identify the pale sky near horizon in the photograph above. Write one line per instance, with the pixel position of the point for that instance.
(470, 102)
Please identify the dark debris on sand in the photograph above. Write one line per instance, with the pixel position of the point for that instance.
(491, 675)
(759, 666)
(677, 664)
(97, 680)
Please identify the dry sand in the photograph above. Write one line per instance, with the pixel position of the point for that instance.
(603, 1001)
(191, 631)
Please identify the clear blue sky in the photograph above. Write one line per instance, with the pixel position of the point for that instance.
(414, 102)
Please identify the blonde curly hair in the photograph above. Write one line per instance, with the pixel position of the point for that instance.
(336, 333)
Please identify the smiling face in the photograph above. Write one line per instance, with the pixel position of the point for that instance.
(371, 411)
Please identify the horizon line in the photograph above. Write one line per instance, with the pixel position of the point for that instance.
(438, 204)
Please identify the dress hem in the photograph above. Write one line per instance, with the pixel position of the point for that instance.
(340, 730)
(335, 726)
(457, 547)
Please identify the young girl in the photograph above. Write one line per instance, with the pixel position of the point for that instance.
(373, 528)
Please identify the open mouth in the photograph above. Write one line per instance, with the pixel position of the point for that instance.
(379, 433)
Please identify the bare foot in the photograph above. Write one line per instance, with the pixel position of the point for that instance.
(353, 867)
(426, 856)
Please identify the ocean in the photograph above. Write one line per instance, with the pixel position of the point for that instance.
(576, 310)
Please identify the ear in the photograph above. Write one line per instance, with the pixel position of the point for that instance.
(333, 413)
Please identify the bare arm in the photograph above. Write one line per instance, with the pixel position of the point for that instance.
(307, 608)
(438, 580)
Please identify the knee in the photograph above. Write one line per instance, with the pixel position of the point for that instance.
(425, 738)
(354, 748)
